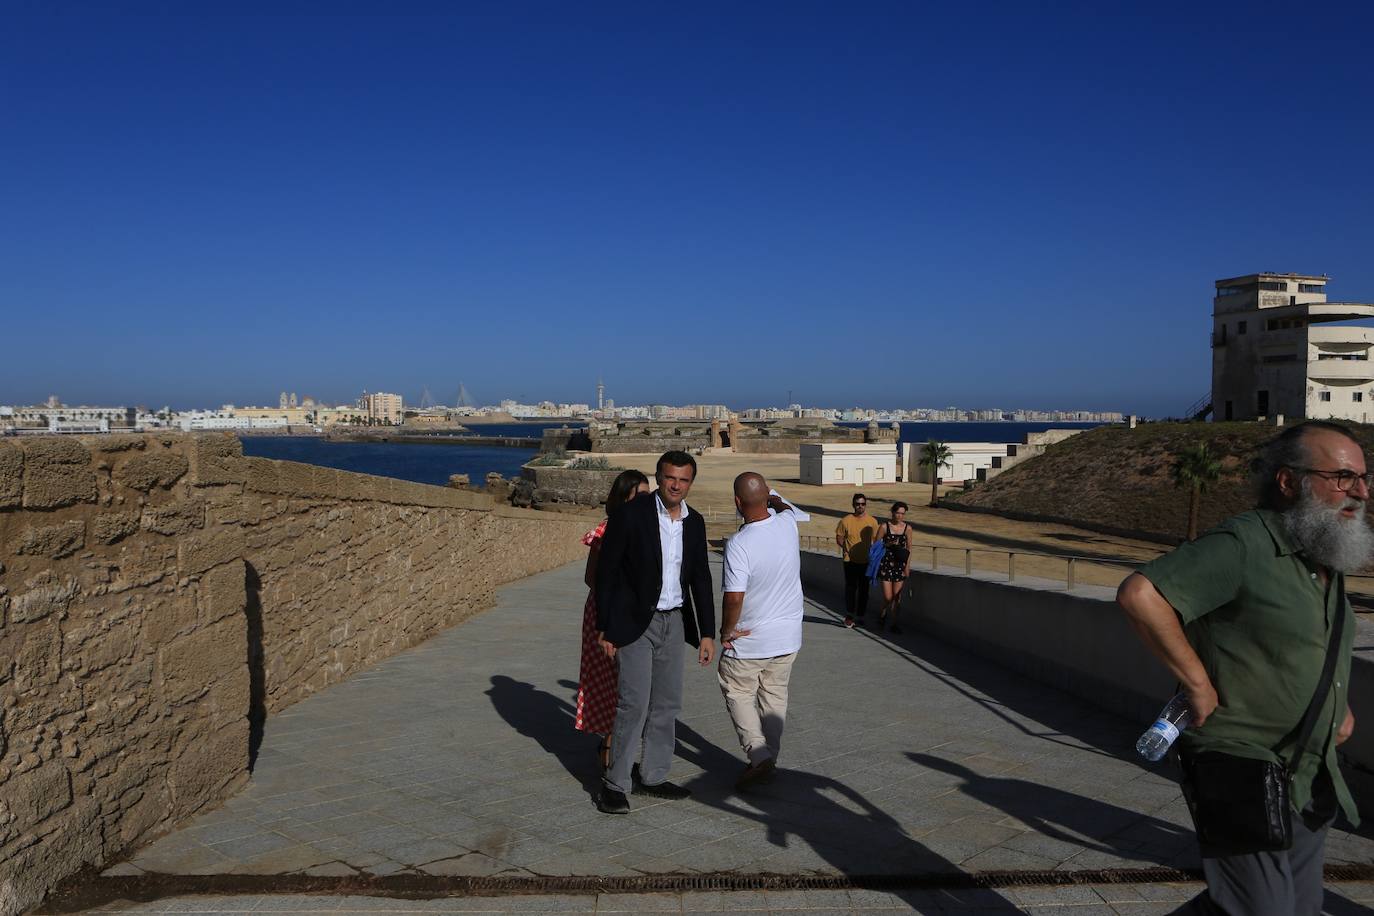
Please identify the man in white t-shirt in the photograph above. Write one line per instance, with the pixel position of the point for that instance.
(761, 623)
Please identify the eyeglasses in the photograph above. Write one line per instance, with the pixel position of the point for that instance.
(1344, 480)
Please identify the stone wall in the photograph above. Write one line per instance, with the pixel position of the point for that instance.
(160, 595)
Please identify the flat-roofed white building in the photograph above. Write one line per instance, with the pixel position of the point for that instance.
(1279, 347)
(965, 459)
(853, 464)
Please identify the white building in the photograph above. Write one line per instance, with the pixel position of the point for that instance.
(965, 458)
(1275, 350)
(853, 464)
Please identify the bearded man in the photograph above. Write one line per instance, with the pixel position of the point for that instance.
(1244, 618)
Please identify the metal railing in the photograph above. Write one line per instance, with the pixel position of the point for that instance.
(1072, 562)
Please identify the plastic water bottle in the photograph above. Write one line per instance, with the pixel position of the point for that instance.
(1173, 718)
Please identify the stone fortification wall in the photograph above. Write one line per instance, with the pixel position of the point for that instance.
(160, 595)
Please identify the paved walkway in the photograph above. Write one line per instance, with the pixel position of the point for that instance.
(901, 757)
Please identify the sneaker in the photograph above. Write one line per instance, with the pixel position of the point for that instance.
(849, 623)
(609, 801)
(762, 771)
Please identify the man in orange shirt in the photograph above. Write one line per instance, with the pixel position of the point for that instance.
(854, 535)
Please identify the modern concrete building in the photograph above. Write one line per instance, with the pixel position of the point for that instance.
(854, 464)
(1279, 347)
(381, 407)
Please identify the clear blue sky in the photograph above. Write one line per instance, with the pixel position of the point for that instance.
(889, 204)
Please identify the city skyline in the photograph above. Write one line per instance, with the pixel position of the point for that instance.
(886, 205)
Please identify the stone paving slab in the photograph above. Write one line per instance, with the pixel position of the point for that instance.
(901, 756)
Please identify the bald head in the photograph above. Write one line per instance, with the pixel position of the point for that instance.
(751, 490)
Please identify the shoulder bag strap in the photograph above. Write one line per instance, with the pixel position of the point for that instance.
(1309, 719)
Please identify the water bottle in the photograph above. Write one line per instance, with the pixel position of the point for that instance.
(1173, 718)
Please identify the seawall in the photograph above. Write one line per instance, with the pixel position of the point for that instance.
(160, 595)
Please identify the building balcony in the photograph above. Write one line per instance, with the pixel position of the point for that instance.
(1343, 371)
(1341, 340)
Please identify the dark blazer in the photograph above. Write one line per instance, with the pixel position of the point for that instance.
(629, 574)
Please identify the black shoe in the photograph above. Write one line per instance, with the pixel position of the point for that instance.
(609, 801)
(669, 790)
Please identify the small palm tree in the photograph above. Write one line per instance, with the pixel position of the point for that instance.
(1197, 468)
(934, 454)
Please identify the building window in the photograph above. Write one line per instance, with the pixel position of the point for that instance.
(1357, 396)
(1229, 291)
(1277, 286)
(839, 473)
(1280, 358)
(1311, 288)
(877, 473)
(1263, 406)
(1323, 395)
(1240, 327)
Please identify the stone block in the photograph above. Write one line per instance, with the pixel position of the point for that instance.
(52, 541)
(194, 661)
(11, 475)
(111, 527)
(167, 618)
(45, 595)
(199, 552)
(56, 450)
(154, 469)
(38, 663)
(205, 765)
(119, 443)
(217, 459)
(51, 486)
(180, 517)
(224, 591)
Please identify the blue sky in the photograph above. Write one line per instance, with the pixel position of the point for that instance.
(889, 204)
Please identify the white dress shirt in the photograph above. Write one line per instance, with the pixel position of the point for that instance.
(670, 542)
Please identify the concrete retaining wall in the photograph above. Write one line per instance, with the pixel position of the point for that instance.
(159, 595)
(1078, 642)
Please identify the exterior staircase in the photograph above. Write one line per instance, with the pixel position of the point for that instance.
(1017, 452)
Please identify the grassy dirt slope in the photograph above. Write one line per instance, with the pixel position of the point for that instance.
(1122, 478)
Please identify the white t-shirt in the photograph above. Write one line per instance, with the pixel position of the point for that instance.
(764, 561)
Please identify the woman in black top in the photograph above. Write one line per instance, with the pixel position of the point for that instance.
(895, 565)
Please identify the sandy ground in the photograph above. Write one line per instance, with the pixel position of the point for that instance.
(1041, 549)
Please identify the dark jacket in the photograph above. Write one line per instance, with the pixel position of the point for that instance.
(629, 574)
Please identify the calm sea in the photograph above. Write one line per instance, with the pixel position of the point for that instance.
(430, 464)
(433, 464)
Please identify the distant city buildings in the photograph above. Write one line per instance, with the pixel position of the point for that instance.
(382, 409)
(1274, 351)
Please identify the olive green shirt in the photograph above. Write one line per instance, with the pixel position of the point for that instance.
(1255, 610)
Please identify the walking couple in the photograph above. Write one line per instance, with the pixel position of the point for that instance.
(651, 593)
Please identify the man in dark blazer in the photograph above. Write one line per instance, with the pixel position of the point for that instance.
(653, 594)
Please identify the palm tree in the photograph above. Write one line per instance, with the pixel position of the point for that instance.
(1196, 469)
(934, 454)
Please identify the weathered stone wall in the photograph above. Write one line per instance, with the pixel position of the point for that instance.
(159, 594)
(557, 485)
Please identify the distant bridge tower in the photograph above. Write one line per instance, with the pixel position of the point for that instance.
(283, 400)
(600, 395)
(463, 399)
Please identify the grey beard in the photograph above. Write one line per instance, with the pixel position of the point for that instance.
(1327, 538)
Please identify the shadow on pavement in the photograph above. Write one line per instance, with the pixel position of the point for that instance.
(548, 720)
(1007, 694)
(1073, 818)
(840, 824)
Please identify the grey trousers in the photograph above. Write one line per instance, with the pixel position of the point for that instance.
(1287, 883)
(650, 699)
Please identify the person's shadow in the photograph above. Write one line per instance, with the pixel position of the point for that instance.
(549, 721)
(1076, 819)
(839, 823)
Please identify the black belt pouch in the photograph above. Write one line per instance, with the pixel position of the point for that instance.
(1239, 805)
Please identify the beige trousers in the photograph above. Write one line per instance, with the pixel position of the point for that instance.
(755, 692)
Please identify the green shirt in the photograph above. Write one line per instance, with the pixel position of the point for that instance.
(1255, 610)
